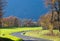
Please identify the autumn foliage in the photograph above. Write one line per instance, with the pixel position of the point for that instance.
(10, 21)
(45, 22)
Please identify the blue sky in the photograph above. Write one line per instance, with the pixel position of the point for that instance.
(31, 9)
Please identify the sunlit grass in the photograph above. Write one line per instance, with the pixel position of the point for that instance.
(6, 32)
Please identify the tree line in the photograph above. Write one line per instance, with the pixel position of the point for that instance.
(13, 21)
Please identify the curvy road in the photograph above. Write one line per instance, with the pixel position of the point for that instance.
(27, 38)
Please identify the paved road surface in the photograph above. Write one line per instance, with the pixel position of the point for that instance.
(27, 38)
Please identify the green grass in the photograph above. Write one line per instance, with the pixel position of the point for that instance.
(8, 31)
(42, 34)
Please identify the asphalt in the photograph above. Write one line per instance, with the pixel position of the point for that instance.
(27, 38)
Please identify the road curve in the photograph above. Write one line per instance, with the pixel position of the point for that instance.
(27, 38)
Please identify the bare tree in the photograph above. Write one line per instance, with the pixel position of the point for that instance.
(54, 6)
(16, 22)
(2, 5)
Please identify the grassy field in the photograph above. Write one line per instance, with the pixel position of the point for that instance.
(42, 34)
(5, 32)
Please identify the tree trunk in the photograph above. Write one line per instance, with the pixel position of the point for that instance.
(0, 22)
(51, 28)
(58, 12)
(59, 29)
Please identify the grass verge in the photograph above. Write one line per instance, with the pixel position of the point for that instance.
(41, 34)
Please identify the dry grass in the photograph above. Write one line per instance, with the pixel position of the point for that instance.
(43, 34)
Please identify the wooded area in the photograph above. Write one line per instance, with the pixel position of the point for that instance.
(51, 20)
